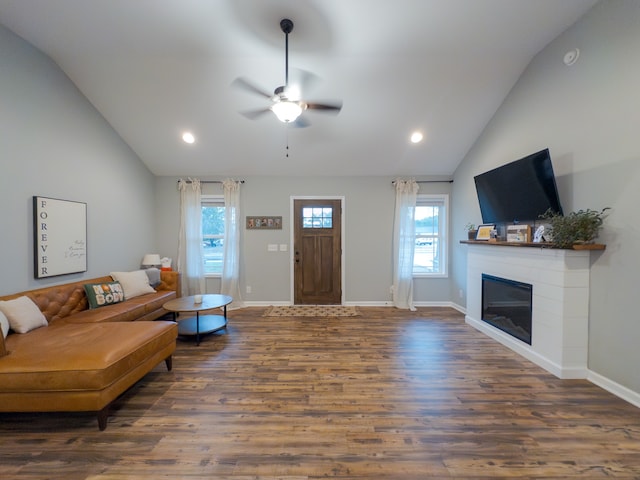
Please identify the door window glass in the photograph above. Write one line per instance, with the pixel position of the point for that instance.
(317, 217)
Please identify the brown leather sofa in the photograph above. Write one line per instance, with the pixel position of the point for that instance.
(85, 358)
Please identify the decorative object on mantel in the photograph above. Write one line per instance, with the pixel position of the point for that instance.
(484, 231)
(471, 231)
(518, 233)
(575, 229)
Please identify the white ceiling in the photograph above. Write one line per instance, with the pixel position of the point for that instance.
(154, 68)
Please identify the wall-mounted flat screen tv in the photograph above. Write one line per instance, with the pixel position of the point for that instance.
(519, 191)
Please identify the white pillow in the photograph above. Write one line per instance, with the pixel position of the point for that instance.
(134, 283)
(23, 314)
(4, 325)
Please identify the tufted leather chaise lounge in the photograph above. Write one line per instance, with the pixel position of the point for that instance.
(85, 358)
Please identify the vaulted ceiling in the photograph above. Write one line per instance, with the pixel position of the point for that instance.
(157, 68)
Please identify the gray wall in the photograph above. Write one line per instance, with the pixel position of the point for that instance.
(588, 115)
(368, 213)
(53, 143)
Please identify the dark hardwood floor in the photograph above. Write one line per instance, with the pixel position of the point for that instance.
(388, 394)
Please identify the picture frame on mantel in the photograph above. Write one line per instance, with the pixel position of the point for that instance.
(484, 232)
(59, 237)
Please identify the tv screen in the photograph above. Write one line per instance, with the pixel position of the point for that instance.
(519, 191)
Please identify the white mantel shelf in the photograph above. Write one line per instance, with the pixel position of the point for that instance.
(560, 301)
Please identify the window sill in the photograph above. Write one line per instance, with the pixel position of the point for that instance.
(430, 275)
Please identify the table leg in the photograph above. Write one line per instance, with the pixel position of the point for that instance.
(197, 328)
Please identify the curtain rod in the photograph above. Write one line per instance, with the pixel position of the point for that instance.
(428, 181)
(209, 181)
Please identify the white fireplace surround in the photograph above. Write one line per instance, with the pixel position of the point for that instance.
(560, 303)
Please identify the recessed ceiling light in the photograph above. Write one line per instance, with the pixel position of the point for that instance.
(416, 137)
(188, 137)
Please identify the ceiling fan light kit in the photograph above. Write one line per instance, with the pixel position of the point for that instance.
(283, 105)
(286, 111)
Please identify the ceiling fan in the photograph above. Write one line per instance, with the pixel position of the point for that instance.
(285, 103)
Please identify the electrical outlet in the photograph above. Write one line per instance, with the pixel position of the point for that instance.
(248, 289)
(391, 289)
(460, 293)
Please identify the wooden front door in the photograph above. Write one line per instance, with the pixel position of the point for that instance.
(317, 251)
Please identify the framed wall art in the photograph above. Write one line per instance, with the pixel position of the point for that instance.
(60, 237)
(264, 223)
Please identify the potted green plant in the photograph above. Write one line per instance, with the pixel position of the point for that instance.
(471, 231)
(581, 227)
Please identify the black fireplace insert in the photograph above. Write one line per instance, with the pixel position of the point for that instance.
(507, 305)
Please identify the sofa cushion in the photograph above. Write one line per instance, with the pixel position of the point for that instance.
(95, 355)
(126, 311)
(102, 294)
(153, 301)
(23, 314)
(134, 283)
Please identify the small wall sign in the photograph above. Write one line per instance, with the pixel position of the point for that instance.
(264, 223)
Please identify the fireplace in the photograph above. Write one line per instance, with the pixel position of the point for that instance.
(506, 304)
(559, 303)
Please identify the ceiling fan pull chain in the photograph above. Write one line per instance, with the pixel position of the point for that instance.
(287, 150)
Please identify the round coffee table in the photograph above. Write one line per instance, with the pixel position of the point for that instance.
(200, 324)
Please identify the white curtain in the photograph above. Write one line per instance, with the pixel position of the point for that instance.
(404, 239)
(190, 255)
(230, 284)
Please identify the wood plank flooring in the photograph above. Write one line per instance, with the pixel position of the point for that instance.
(388, 394)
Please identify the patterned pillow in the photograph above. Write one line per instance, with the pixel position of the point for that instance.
(102, 294)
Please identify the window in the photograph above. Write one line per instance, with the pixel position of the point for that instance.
(212, 233)
(430, 254)
(317, 217)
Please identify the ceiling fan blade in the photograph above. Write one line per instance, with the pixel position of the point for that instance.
(305, 79)
(325, 107)
(300, 122)
(245, 84)
(253, 114)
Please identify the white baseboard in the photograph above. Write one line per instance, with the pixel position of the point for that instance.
(526, 351)
(261, 303)
(615, 388)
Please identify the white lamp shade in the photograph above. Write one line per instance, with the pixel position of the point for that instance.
(151, 260)
(286, 111)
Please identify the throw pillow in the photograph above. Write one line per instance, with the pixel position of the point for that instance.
(134, 283)
(23, 314)
(154, 276)
(4, 325)
(102, 294)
